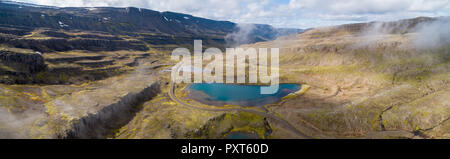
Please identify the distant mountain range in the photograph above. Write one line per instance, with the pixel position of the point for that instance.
(130, 21)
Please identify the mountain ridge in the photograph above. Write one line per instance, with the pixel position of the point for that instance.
(126, 20)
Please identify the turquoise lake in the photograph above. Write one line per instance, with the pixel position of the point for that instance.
(243, 95)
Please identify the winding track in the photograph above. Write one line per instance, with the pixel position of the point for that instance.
(277, 119)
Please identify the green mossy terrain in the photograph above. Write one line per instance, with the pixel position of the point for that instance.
(80, 87)
(387, 88)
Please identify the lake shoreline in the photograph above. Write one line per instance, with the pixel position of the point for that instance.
(236, 94)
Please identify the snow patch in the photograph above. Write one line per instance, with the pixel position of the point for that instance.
(62, 25)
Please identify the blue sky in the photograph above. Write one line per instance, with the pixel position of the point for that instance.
(281, 13)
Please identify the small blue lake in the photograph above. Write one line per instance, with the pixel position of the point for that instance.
(243, 95)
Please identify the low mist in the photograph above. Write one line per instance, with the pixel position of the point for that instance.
(427, 33)
(241, 36)
(433, 35)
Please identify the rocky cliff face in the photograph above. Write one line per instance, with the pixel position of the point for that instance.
(58, 44)
(126, 21)
(23, 62)
(111, 117)
(98, 65)
(373, 80)
(394, 27)
(63, 31)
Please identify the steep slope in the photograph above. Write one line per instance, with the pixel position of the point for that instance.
(374, 80)
(84, 44)
(108, 68)
(129, 21)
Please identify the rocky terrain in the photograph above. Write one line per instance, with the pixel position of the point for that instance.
(82, 44)
(90, 72)
(146, 25)
(105, 73)
(374, 80)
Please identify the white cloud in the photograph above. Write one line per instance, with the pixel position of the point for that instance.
(296, 13)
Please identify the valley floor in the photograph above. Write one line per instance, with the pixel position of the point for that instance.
(353, 86)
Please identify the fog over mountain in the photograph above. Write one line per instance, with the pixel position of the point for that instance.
(105, 69)
(131, 20)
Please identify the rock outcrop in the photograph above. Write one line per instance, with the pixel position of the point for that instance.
(23, 62)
